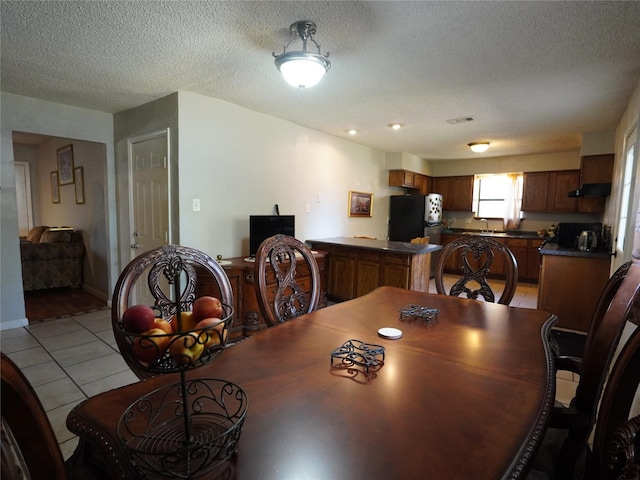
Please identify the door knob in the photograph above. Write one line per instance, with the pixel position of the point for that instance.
(135, 245)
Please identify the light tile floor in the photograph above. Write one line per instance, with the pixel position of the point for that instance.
(71, 359)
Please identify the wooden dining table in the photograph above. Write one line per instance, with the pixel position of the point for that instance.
(463, 395)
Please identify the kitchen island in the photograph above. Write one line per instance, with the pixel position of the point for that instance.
(357, 266)
(570, 284)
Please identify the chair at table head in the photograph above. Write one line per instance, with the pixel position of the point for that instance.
(476, 255)
(280, 262)
(160, 267)
(573, 425)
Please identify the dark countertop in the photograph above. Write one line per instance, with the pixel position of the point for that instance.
(554, 249)
(498, 234)
(379, 245)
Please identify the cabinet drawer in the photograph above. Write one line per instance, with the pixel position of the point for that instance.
(517, 242)
(397, 259)
(368, 256)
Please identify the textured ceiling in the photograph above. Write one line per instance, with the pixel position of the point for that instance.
(533, 75)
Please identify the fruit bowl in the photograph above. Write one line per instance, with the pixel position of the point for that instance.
(178, 351)
(171, 435)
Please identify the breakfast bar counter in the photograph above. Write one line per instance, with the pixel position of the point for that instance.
(356, 266)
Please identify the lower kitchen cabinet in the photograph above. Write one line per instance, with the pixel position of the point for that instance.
(570, 286)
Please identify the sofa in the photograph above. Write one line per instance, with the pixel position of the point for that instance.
(51, 258)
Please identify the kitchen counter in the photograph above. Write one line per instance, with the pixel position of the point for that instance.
(359, 265)
(499, 234)
(379, 245)
(554, 249)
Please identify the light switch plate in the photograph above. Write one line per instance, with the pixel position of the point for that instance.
(196, 204)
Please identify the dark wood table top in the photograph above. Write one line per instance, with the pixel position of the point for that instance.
(464, 396)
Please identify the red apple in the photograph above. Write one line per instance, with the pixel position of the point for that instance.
(207, 307)
(138, 319)
(212, 331)
(162, 324)
(188, 322)
(186, 348)
(151, 346)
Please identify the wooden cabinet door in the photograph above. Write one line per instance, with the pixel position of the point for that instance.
(343, 276)
(457, 192)
(535, 191)
(561, 183)
(368, 271)
(534, 260)
(452, 263)
(520, 249)
(396, 271)
(595, 169)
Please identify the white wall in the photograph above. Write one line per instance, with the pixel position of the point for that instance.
(24, 114)
(239, 162)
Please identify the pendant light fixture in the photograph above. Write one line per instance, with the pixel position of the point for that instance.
(300, 68)
(479, 147)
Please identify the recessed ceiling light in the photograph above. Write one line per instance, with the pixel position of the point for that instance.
(395, 126)
(351, 131)
(479, 147)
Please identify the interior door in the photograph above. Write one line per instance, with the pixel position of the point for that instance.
(149, 209)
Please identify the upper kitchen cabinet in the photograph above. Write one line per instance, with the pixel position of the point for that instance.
(549, 191)
(595, 169)
(408, 179)
(457, 192)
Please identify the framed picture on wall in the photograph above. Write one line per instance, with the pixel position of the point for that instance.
(65, 165)
(360, 204)
(78, 179)
(55, 188)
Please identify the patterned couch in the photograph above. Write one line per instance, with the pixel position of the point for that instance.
(51, 259)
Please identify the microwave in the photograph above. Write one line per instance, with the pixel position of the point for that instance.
(567, 233)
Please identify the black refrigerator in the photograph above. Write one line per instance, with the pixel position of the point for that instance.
(407, 221)
(406, 217)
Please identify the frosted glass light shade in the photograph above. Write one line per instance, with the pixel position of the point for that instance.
(479, 147)
(302, 70)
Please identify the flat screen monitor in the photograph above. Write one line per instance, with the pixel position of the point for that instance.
(262, 227)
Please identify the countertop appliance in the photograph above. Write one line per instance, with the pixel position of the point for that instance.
(409, 218)
(567, 234)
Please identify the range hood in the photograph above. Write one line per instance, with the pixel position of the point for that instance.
(592, 190)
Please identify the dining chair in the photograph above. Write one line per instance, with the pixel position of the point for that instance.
(475, 255)
(160, 267)
(29, 445)
(570, 346)
(281, 261)
(565, 450)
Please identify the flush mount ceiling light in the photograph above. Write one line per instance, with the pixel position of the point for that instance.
(479, 147)
(395, 126)
(352, 131)
(300, 68)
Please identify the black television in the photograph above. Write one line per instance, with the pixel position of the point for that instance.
(262, 227)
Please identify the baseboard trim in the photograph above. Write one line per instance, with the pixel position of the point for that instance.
(11, 324)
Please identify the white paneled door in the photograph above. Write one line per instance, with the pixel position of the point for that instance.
(149, 199)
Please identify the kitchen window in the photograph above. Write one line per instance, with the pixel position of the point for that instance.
(498, 196)
(626, 197)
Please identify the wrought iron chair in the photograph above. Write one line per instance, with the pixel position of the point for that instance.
(566, 451)
(29, 446)
(165, 261)
(476, 255)
(280, 261)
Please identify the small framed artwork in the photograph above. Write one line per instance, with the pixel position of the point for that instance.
(55, 188)
(360, 204)
(78, 179)
(65, 165)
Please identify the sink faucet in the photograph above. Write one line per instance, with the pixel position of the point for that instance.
(486, 224)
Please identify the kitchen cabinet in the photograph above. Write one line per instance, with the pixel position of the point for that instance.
(247, 319)
(457, 192)
(358, 266)
(408, 179)
(570, 285)
(524, 249)
(549, 191)
(595, 169)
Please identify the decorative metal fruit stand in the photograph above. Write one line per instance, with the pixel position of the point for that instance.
(188, 429)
